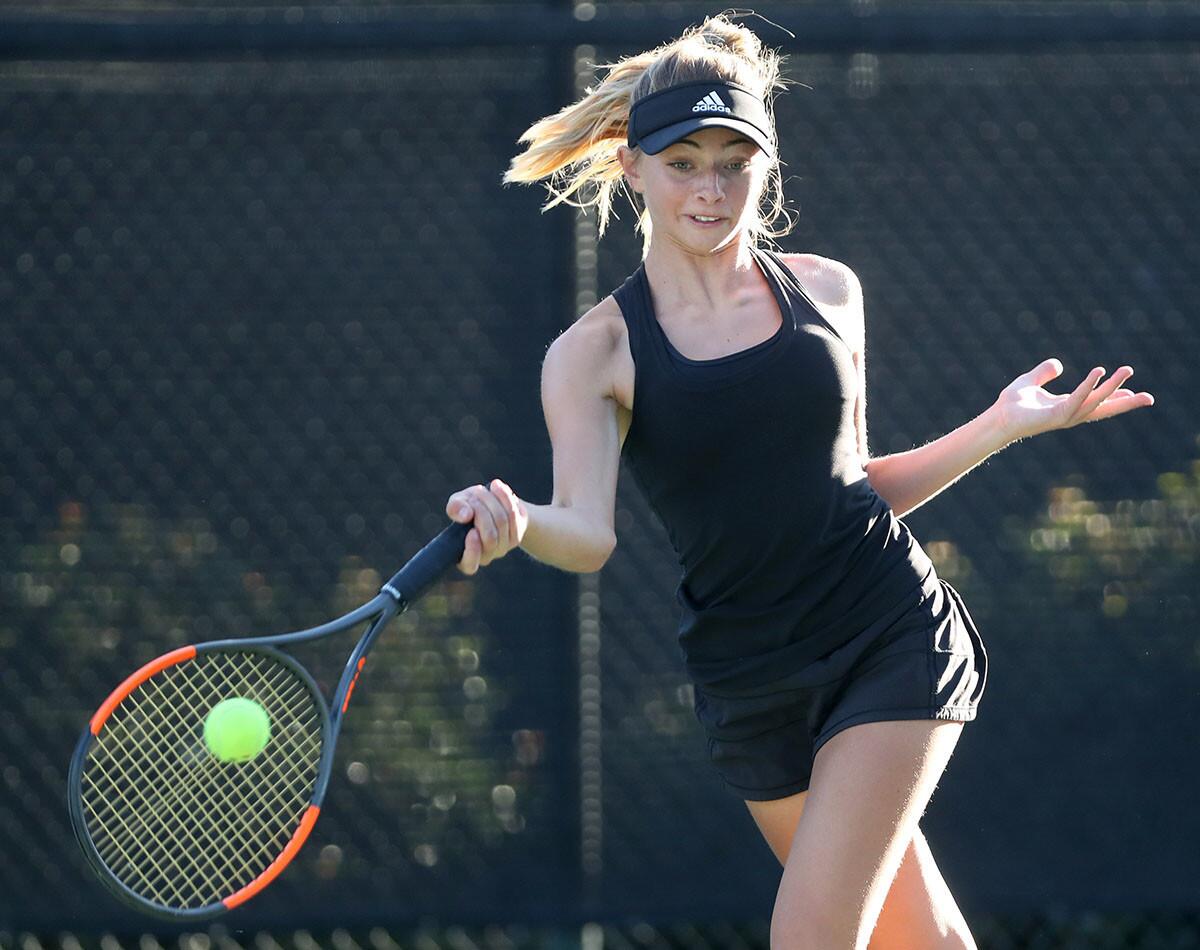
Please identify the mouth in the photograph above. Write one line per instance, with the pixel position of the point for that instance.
(704, 221)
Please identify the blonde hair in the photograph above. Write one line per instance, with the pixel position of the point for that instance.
(576, 148)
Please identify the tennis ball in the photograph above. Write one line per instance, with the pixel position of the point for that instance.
(236, 730)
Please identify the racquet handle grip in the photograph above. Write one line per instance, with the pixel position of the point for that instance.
(428, 564)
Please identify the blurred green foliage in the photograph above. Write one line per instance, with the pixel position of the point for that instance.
(107, 589)
(1119, 561)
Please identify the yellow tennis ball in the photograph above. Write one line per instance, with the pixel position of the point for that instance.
(236, 730)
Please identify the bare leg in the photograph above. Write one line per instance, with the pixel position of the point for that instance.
(870, 786)
(919, 910)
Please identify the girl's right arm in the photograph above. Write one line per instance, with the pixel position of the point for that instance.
(575, 532)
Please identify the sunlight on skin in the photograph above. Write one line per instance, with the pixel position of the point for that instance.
(1027, 409)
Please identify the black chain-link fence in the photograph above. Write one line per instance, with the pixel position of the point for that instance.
(258, 323)
(258, 320)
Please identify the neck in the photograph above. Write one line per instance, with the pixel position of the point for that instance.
(685, 280)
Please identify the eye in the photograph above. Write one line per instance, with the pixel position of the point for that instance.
(738, 165)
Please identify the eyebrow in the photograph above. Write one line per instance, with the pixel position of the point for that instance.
(730, 143)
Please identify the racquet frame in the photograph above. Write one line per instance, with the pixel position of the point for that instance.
(412, 580)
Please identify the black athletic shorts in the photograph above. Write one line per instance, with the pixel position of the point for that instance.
(924, 659)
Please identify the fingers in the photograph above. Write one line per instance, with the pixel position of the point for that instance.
(508, 502)
(458, 508)
(1107, 389)
(1087, 395)
(1069, 409)
(492, 515)
(1096, 396)
(1090, 404)
(1122, 400)
(1046, 370)
(491, 521)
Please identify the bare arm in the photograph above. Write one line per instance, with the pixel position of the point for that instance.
(1022, 409)
(906, 480)
(574, 531)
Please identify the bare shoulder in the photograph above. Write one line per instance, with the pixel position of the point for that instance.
(836, 290)
(826, 280)
(592, 356)
(590, 344)
(606, 317)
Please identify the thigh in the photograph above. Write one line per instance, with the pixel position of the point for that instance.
(919, 910)
(777, 820)
(870, 786)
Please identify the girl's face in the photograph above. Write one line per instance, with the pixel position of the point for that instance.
(714, 172)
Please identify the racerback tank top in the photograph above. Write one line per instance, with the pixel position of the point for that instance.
(750, 462)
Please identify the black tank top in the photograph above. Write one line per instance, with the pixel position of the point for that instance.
(750, 461)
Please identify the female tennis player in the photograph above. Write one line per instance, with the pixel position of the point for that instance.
(833, 669)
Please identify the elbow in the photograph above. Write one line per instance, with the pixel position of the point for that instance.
(610, 545)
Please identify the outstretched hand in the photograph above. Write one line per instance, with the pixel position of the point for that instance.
(1025, 408)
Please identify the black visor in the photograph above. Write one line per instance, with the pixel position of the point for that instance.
(669, 114)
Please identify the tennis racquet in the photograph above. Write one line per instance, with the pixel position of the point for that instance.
(173, 830)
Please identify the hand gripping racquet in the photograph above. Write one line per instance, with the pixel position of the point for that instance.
(175, 831)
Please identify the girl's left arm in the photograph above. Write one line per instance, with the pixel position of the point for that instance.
(906, 480)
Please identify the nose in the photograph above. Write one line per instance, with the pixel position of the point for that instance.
(709, 187)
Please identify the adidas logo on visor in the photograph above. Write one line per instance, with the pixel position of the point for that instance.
(711, 103)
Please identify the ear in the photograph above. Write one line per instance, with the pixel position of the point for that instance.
(629, 165)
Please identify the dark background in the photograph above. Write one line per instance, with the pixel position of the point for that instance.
(264, 305)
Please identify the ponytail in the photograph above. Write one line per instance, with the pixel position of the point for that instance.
(575, 149)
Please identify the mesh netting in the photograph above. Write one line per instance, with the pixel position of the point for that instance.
(259, 320)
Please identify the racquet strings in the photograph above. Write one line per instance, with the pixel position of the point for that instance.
(173, 823)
